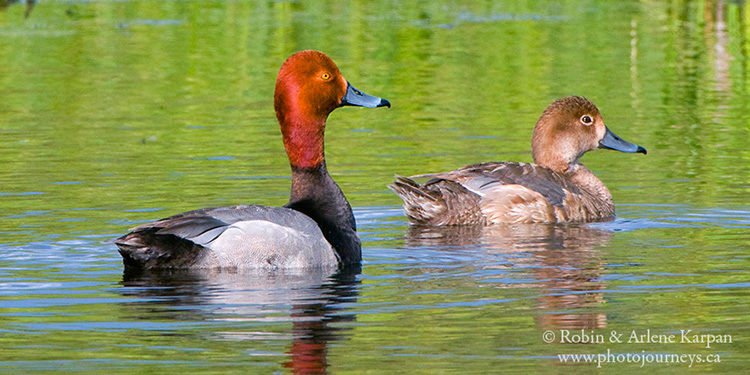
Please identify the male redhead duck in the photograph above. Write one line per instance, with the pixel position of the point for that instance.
(315, 229)
(556, 189)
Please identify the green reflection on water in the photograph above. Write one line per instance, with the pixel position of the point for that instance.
(172, 100)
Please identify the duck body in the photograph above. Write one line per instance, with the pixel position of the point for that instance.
(315, 229)
(555, 189)
(229, 238)
(502, 192)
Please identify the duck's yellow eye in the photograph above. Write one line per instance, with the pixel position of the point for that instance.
(325, 76)
(586, 120)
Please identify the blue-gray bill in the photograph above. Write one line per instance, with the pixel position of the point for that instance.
(613, 142)
(358, 98)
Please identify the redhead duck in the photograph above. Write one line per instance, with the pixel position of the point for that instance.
(556, 189)
(315, 229)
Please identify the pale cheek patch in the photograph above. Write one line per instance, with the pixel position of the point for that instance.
(600, 131)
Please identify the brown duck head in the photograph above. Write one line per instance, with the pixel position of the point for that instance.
(570, 127)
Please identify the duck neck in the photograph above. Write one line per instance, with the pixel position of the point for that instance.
(303, 139)
(565, 162)
(315, 194)
(557, 155)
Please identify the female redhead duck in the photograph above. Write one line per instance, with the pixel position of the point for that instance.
(556, 189)
(315, 229)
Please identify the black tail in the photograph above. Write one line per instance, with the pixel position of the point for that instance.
(145, 249)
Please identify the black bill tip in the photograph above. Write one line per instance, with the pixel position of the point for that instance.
(360, 99)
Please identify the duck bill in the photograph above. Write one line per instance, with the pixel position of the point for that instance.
(613, 142)
(358, 98)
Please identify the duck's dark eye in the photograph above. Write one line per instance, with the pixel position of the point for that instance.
(586, 120)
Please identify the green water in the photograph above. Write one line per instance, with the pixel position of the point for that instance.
(113, 113)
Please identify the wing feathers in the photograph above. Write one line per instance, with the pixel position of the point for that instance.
(488, 192)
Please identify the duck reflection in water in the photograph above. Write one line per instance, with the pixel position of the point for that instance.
(311, 298)
(566, 262)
